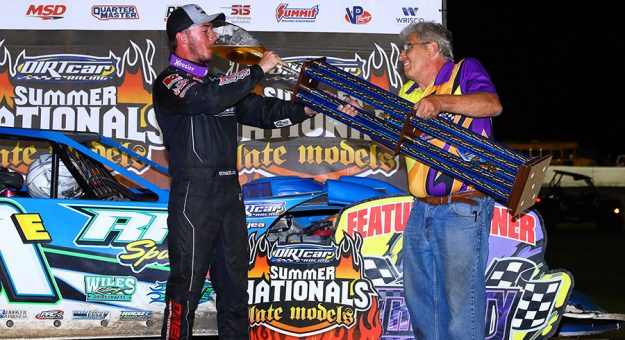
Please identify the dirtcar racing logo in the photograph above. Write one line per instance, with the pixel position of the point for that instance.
(264, 209)
(115, 12)
(62, 68)
(285, 14)
(302, 253)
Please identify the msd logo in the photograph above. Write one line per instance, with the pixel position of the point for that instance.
(357, 15)
(46, 12)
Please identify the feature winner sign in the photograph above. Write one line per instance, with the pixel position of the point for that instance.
(353, 288)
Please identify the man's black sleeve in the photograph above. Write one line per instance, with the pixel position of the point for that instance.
(213, 96)
(269, 113)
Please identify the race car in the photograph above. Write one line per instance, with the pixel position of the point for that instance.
(83, 254)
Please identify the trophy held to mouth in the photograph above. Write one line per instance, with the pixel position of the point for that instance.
(509, 177)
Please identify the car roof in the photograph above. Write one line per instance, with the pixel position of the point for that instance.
(77, 141)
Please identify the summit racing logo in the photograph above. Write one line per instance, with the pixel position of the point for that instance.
(103, 12)
(69, 67)
(285, 14)
(302, 253)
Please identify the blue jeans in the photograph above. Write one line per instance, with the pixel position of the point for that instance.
(445, 250)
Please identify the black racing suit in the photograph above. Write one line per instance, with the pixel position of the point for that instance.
(198, 118)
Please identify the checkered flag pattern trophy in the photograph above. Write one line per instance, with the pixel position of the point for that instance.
(509, 177)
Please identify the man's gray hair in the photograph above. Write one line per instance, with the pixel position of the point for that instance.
(429, 31)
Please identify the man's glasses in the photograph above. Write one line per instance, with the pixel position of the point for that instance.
(408, 45)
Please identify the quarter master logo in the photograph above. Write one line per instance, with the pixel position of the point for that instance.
(102, 12)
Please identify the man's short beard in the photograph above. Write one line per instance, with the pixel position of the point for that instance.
(200, 58)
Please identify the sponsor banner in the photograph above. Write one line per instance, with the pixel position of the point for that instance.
(525, 300)
(107, 89)
(272, 15)
(311, 291)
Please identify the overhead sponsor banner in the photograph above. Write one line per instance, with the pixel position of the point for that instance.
(367, 16)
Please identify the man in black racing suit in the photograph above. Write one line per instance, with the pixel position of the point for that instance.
(198, 114)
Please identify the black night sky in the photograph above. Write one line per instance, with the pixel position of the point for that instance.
(557, 67)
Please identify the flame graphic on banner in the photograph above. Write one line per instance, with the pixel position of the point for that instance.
(132, 91)
(6, 89)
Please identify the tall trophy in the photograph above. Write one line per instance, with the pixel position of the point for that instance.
(509, 177)
(236, 44)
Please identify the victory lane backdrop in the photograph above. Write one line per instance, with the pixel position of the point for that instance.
(83, 66)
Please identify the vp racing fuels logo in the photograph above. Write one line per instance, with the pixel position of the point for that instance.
(67, 68)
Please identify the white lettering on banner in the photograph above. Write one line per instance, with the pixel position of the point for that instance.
(93, 97)
(355, 293)
(121, 226)
(27, 278)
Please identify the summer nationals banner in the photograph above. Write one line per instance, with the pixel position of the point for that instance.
(87, 66)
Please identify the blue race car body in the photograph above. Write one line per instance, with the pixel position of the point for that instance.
(325, 258)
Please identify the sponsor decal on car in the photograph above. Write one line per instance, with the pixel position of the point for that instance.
(109, 288)
(56, 314)
(264, 209)
(131, 315)
(90, 314)
(13, 314)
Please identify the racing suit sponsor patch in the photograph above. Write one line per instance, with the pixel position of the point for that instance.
(282, 123)
(231, 78)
